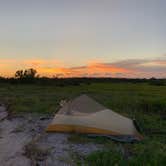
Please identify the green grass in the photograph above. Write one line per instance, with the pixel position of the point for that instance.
(146, 103)
(149, 152)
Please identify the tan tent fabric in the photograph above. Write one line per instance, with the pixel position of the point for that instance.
(82, 104)
(84, 115)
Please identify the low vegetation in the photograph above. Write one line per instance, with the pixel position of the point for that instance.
(140, 100)
(152, 153)
(35, 153)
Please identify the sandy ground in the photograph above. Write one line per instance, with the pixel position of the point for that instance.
(24, 142)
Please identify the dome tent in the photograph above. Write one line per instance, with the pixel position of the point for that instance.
(85, 115)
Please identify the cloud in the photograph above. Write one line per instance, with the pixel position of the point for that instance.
(131, 68)
(96, 70)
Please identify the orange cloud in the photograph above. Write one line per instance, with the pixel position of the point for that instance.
(50, 67)
(106, 68)
(98, 69)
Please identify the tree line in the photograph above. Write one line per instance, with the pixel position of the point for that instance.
(29, 76)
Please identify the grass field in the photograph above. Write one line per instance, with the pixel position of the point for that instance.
(146, 103)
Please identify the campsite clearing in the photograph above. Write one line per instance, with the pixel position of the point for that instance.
(146, 103)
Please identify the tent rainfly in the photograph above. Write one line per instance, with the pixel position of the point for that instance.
(85, 115)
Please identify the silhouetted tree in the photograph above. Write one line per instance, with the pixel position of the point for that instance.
(19, 74)
(28, 73)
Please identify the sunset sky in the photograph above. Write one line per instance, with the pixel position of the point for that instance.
(110, 38)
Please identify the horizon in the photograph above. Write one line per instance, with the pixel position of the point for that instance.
(124, 39)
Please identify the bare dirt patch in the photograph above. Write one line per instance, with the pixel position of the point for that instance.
(23, 141)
